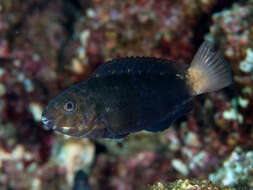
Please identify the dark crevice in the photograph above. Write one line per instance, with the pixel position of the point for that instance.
(205, 20)
(100, 148)
(72, 11)
(12, 33)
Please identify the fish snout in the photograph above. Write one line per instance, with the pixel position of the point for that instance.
(48, 123)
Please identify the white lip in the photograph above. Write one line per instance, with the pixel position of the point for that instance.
(48, 124)
(65, 129)
(44, 120)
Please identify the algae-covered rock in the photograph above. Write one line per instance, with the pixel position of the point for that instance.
(72, 155)
(236, 170)
(232, 30)
(187, 184)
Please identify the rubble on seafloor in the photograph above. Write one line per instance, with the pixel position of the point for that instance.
(187, 184)
(236, 169)
(46, 46)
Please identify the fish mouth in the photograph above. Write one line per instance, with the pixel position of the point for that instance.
(66, 130)
(48, 123)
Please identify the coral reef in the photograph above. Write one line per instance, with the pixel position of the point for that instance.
(187, 184)
(47, 46)
(232, 31)
(235, 170)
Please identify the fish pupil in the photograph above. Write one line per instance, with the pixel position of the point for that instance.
(69, 106)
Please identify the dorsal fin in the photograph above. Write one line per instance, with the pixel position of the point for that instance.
(135, 66)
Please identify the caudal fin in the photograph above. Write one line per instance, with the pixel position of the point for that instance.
(208, 71)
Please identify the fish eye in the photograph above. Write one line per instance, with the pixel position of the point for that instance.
(69, 106)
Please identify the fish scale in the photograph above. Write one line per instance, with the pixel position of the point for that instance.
(142, 100)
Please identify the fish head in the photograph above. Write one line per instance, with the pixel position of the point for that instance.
(65, 114)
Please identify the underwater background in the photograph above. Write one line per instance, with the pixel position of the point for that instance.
(47, 46)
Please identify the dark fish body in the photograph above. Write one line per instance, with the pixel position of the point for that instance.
(132, 94)
(128, 95)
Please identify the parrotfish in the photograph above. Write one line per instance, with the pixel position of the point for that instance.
(127, 95)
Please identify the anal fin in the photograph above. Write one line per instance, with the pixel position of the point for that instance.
(178, 112)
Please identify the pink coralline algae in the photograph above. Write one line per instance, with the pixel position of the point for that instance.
(232, 30)
(47, 46)
(143, 27)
